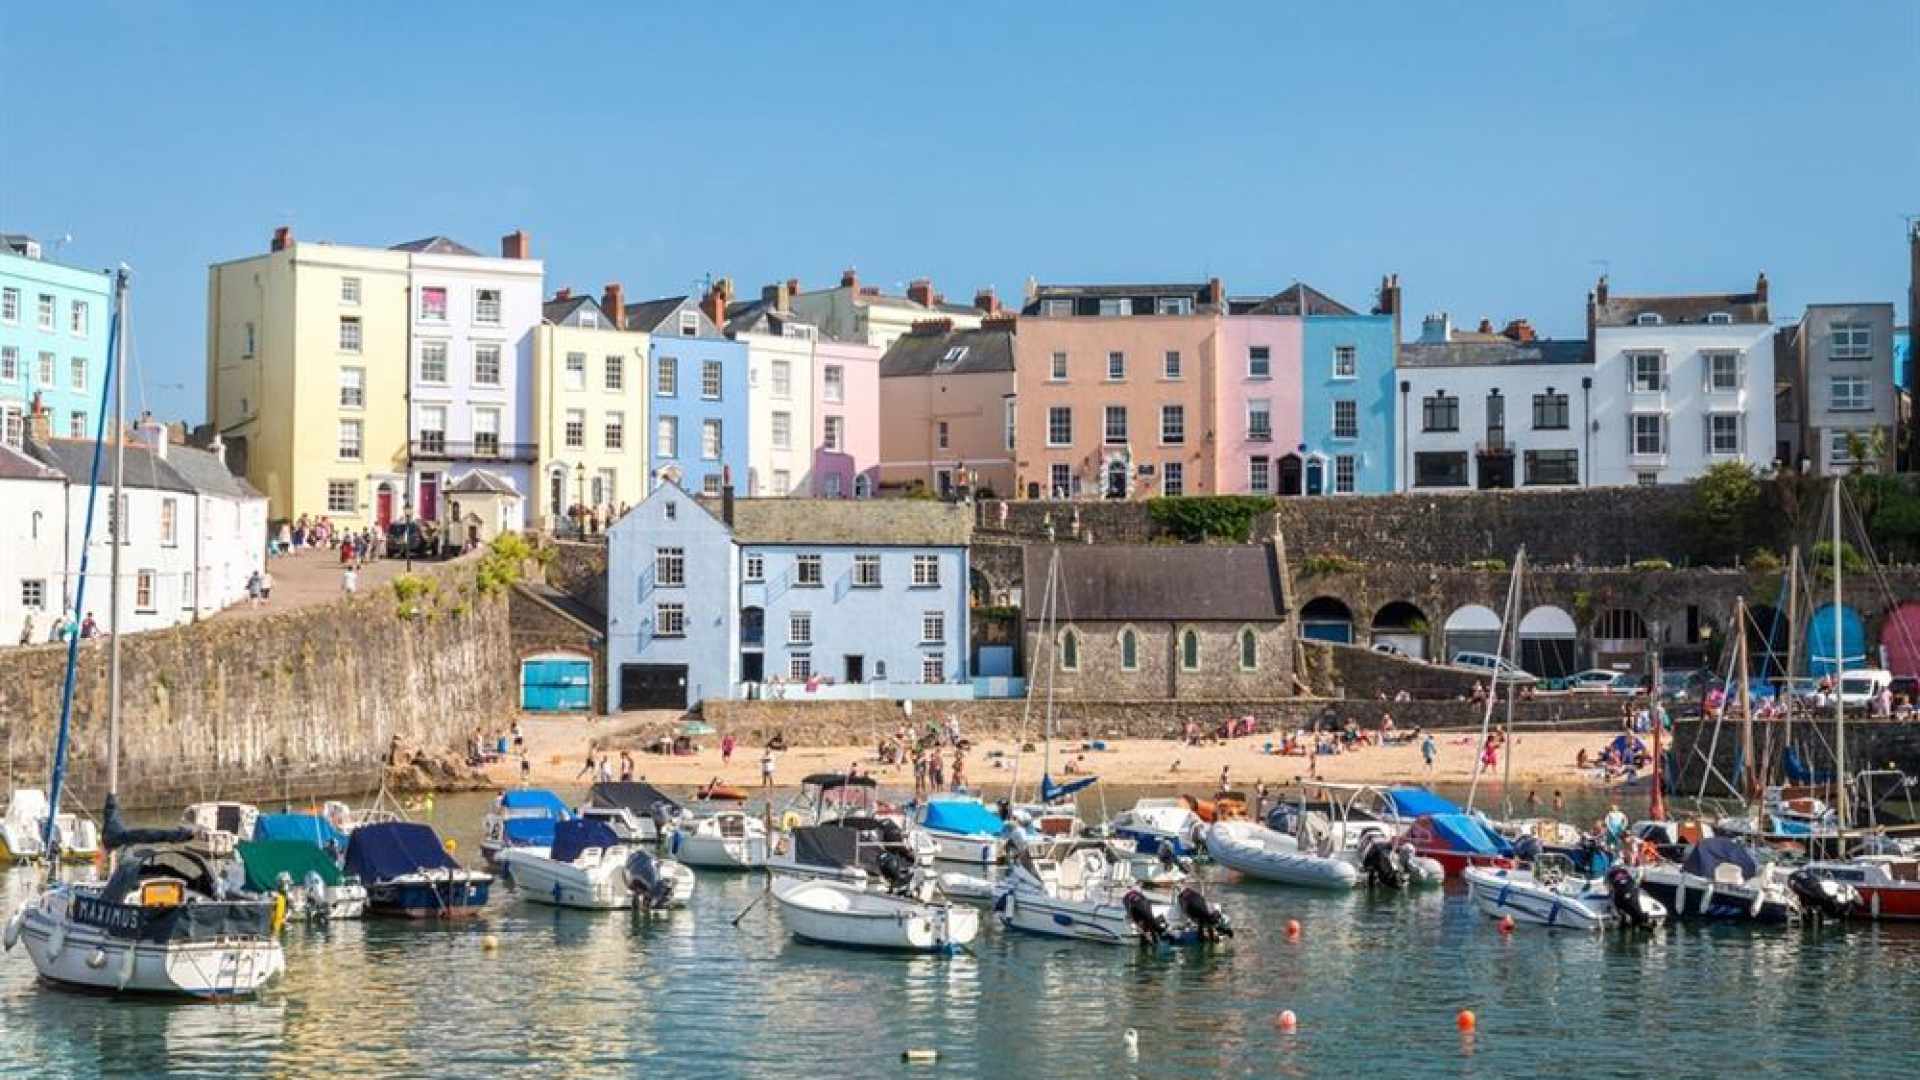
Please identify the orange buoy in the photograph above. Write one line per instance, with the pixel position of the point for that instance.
(1506, 924)
(1286, 1021)
(1293, 928)
(1465, 1020)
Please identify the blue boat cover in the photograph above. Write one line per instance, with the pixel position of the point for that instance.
(534, 799)
(963, 816)
(311, 828)
(1049, 791)
(392, 849)
(529, 831)
(574, 836)
(1465, 834)
(1413, 802)
(1710, 853)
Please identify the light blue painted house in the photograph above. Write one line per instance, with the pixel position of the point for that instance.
(805, 599)
(698, 395)
(53, 340)
(1346, 400)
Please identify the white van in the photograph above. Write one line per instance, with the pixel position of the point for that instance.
(1860, 686)
(1489, 664)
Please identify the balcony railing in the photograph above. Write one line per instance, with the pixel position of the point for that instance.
(441, 449)
(1259, 434)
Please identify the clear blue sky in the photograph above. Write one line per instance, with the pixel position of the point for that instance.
(1489, 153)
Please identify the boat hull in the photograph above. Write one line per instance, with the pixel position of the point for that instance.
(967, 848)
(74, 954)
(1037, 913)
(718, 852)
(1503, 894)
(1688, 896)
(1455, 863)
(597, 888)
(420, 896)
(830, 914)
(1236, 847)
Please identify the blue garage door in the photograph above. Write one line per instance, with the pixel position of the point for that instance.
(556, 685)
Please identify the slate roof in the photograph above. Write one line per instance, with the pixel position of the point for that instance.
(74, 457)
(1086, 298)
(1159, 582)
(647, 315)
(869, 522)
(988, 350)
(1747, 307)
(206, 473)
(435, 245)
(1300, 298)
(15, 465)
(559, 311)
(1500, 352)
(759, 317)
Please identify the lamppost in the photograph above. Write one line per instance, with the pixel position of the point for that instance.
(580, 494)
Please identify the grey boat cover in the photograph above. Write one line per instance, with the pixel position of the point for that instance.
(1709, 854)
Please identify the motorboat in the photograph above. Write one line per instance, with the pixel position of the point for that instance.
(635, 811)
(727, 838)
(1550, 894)
(224, 824)
(521, 818)
(590, 866)
(1868, 886)
(408, 872)
(1259, 852)
(23, 831)
(963, 829)
(834, 913)
(305, 875)
(1440, 830)
(1151, 824)
(314, 829)
(861, 852)
(1340, 821)
(1082, 891)
(1720, 879)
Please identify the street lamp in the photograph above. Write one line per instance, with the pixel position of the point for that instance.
(580, 494)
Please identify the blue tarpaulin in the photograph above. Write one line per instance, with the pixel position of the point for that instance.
(1049, 791)
(962, 816)
(392, 849)
(529, 831)
(311, 828)
(1465, 834)
(1413, 802)
(534, 799)
(570, 838)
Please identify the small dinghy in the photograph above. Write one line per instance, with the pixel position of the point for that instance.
(1550, 895)
(1260, 852)
(25, 824)
(724, 839)
(832, 913)
(590, 867)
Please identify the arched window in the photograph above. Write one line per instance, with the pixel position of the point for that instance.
(1069, 651)
(1189, 650)
(1249, 649)
(1129, 650)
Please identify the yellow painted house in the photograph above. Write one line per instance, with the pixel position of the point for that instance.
(589, 409)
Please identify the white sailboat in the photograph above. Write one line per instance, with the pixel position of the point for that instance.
(24, 827)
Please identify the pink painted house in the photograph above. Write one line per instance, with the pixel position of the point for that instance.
(1256, 399)
(846, 409)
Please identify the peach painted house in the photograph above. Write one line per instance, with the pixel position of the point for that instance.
(947, 413)
(846, 410)
(1116, 390)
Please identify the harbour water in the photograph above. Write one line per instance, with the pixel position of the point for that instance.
(1376, 982)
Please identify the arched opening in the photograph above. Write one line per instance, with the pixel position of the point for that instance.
(1189, 650)
(1069, 650)
(1823, 647)
(1326, 619)
(1129, 649)
(1620, 639)
(1471, 628)
(1402, 627)
(863, 486)
(1290, 474)
(979, 588)
(1900, 639)
(1547, 642)
(1249, 649)
(1768, 637)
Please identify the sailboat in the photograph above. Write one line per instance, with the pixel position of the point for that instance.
(170, 918)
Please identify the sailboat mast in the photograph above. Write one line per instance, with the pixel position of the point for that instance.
(1747, 763)
(1839, 666)
(119, 518)
(1793, 655)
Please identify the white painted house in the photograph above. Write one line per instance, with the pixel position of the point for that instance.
(780, 391)
(1680, 383)
(32, 546)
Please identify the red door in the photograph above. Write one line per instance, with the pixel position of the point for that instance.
(383, 508)
(429, 496)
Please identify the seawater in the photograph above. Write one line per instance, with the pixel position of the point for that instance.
(1376, 982)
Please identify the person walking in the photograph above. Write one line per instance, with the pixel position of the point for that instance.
(350, 581)
(1428, 751)
(626, 766)
(266, 586)
(26, 630)
(919, 774)
(766, 767)
(254, 588)
(587, 769)
(726, 749)
(959, 770)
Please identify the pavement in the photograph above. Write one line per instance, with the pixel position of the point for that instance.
(307, 578)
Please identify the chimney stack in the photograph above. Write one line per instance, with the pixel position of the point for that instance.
(516, 245)
(282, 238)
(613, 304)
(726, 495)
(793, 286)
(920, 291)
(931, 326)
(1760, 287)
(39, 421)
(1216, 293)
(850, 279)
(1002, 319)
(218, 448)
(152, 434)
(1518, 330)
(716, 301)
(561, 296)
(1600, 291)
(988, 303)
(1436, 329)
(1486, 326)
(778, 297)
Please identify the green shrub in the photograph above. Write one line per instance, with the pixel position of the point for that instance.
(1653, 564)
(1822, 560)
(1763, 562)
(1196, 518)
(1316, 565)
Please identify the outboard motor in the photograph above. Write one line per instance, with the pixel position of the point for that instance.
(1205, 915)
(1382, 867)
(1627, 898)
(896, 871)
(1171, 860)
(316, 887)
(1824, 897)
(1151, 924)
(651, 889)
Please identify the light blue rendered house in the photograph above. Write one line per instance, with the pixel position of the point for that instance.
(1346, 400)
(53, 341)
(697, 395)
(802, 599)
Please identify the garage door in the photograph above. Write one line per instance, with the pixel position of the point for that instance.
(556, 685)
(653, 686)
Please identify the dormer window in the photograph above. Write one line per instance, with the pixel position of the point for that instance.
(1118, 305)
(589, 319)
(1173, 305)
(1056, 309)
(1719, 318)
(1646, 318)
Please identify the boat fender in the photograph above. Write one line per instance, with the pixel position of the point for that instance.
(98, 960)
(126, 964)
(13, 928)
(57, 940)
(791, 820)
(920, 1056)
(279, 912)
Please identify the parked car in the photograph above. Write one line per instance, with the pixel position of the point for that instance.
(1389, 648)
(407, 538)
(1592, 681)
(1502, 670)
(1628, 684)
(1683, 685)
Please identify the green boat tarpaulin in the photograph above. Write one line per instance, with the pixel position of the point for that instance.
(266, 860)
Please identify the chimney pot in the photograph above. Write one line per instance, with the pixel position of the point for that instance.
(850, 279)
(1486, 326)
(726, 495)
(1760, 286)
(516, 245)
(560, 295)
(1600, 290)
(920, 291)
(793, 286)
(282, 238)
(986, 301)
(613, 304)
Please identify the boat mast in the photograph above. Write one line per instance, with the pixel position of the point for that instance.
(1656, 799)
(1839, 666)
(1793, 657)
(119, 519)
(1746, 698)
(1493, 683)
(1513, 649)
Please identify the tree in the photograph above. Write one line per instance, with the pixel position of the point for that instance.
(1726, 516)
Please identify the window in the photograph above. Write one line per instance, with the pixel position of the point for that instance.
(1058, 372)
(79, 373)
(1189, 650)
(806, 570)
(1259, 475)
(605, 483)
(833, 433)
(433, 303)
(933, 668)
(1116, 366)
(1851, 341)
(576, 429)
(862, 486)
(350, 333)
(9, 363)
(1060, 480)
(800, 668)
(782, 482)
(77, 425)
(670, 619)
(9, 305)
(350, 290)
(689, 324)
(926, 571)
(46, 369)
(666, 377)
(1343, 473)
(1646, 479)
(1346, 362)
(1548, 468)
(1723, 371)
(614, 370)
(866, 571)
(1116, 427)
(1259, 420)
(1440, 412)
(486, 365)
(1112, 306)
(249, 342)
(833, 384)
(710, 442)
(353, 387)
(350, 436)
(782, 379)
(33, 594)
(941, 435)
(169, 522)
(710, 380)
(1850, 393)
(1433, 469)
(1259, 362)
(782, 431)
(1550, 411)
(486, 307)
(1060, 425)
(13, 430)
(800, 628)
(576, 374)
(1009, 410)
(343, 496)
(1649, 372)
(46, 311)
(486, 432)
(1249, 650)
(1723, 434)
(1129, 650)
(1840, 445)
(666, 438)
(1646, 318)
(1649, 433)
(756, 569)
(1173, 424)
(1056, 309)
(143, 591)
(670, 567)
(1346, 419)
(1719, 318)
(933, 628)
(433, 429)
(1173, 305)
(1070, 651)
(77, 318)
(1173, 479)
(616, 431)
(433, 361)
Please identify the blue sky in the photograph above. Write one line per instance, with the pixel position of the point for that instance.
(1492, 154)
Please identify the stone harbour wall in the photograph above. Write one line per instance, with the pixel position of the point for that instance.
(297, 704)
